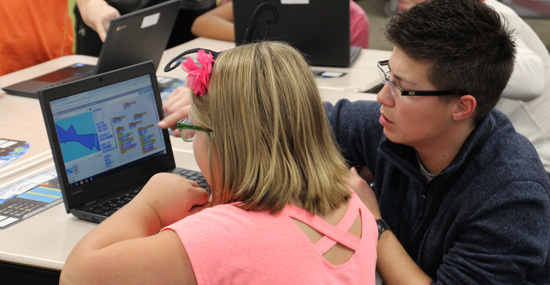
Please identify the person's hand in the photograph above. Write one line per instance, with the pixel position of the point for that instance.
(365, 193)
(176, 107)
(172, 197)
(97, 14)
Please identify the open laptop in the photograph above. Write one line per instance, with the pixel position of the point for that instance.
(320, 29)
(131, 38)
(105, 141)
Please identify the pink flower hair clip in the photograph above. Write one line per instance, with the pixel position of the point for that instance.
(198, 77)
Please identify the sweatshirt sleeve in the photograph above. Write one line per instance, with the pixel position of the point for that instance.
(502, 240)
(357, 131)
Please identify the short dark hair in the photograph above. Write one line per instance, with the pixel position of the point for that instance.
(468, 45)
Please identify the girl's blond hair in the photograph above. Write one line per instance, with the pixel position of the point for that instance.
(271, 141)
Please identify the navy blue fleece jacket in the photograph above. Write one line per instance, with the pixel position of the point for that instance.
(492, 224)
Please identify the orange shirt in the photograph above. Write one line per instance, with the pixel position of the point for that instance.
(33, 31)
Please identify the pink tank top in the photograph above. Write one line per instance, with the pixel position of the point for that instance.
(227, 245)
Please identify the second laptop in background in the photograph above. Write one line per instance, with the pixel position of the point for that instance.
(132, 38)
(320, 29)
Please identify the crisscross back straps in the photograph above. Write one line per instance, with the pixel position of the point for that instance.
(332, 234)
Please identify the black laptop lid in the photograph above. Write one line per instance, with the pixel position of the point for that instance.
(317, 28)
(103, 134)
(138, 36)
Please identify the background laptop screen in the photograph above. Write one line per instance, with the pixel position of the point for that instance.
(107, 128)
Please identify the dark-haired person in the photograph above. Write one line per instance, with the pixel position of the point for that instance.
(462, 197)
(526, 98)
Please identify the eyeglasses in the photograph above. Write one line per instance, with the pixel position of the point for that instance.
(188, 131)
(399, 92)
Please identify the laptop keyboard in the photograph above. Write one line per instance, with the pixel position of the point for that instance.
(193, 175)
(110, 206)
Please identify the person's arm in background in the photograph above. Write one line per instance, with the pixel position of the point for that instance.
(216, 23)
(97, 14)
(528, 78)
(359, 26)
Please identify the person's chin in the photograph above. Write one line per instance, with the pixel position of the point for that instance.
(393, 137)
(389, 135)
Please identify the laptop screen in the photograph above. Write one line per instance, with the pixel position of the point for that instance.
(106, 129)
